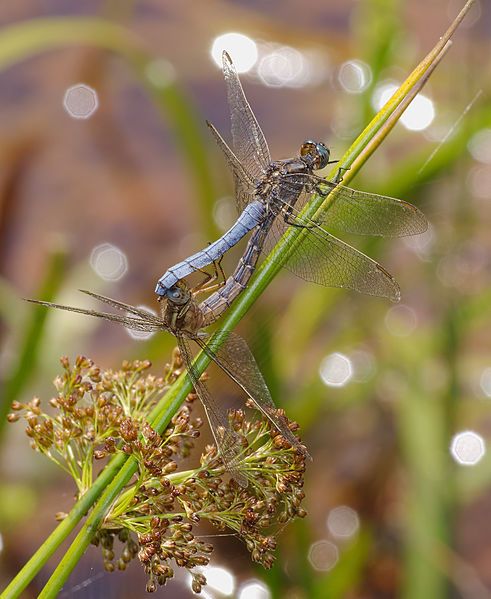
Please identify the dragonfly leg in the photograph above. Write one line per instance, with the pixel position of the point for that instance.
(287, 217)
(217, 275)
(339, 176)
(292, 223)
(207, 277)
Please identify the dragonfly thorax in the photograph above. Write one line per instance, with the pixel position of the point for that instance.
(315, 154)
(269, 180)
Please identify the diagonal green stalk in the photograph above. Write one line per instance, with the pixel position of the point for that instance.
(112, 479)
(107, 486)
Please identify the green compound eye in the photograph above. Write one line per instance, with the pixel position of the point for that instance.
(323, 153)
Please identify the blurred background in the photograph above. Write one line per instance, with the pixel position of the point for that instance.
(108, 176)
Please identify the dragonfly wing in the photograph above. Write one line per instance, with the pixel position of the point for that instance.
(324, 259)
(361, 212)
(249, 144)
(235, 358)
(244, 184)
(365, 213)
(131, 322)
(227, 441)
(141, 312)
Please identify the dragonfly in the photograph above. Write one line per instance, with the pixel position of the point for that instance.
(182, 315)
(271, 194)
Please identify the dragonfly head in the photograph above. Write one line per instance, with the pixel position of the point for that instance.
(180, 312)
(315, 153)
(178, 294)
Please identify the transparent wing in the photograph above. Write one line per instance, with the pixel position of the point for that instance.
(143, 321)
(326, 260)
(227, 441)
(244, 184)
(236, 360)
(248, 141)
(360, 212)
(140, 312)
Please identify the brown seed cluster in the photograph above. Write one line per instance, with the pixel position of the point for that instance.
(99, 413)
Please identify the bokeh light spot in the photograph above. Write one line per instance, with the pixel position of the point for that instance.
(401, 320)
(343, 522)
(224, 213)
(323, 555)
(141, 335)
(422, 244)
(463, 268)
(480, 146)
(485, 382)
(354, 76)
(219, 579)
(80, 101)
(336, 370)
(109, 262)
(242, 50)
(479, 182)
(383, 93)
(418, 115)
(254, 589)
(160, 72)
(467, 448)
(284, 67)
(471, 18)
(363, 363)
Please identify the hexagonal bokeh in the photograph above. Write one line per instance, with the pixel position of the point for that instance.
(80, 101)
(468, 448)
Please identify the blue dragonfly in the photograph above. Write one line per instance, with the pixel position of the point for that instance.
(185, 318)
(270, 195)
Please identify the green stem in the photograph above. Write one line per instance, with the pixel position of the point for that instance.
(82, 540)
(159, 419)
(115, 475)
(51, 544)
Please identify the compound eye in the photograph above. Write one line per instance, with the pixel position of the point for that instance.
(176, 295)
(322, 155)
(308, 147)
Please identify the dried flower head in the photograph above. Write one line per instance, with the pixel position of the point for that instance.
(99, 413)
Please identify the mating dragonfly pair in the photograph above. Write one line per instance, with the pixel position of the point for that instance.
(270, 196)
